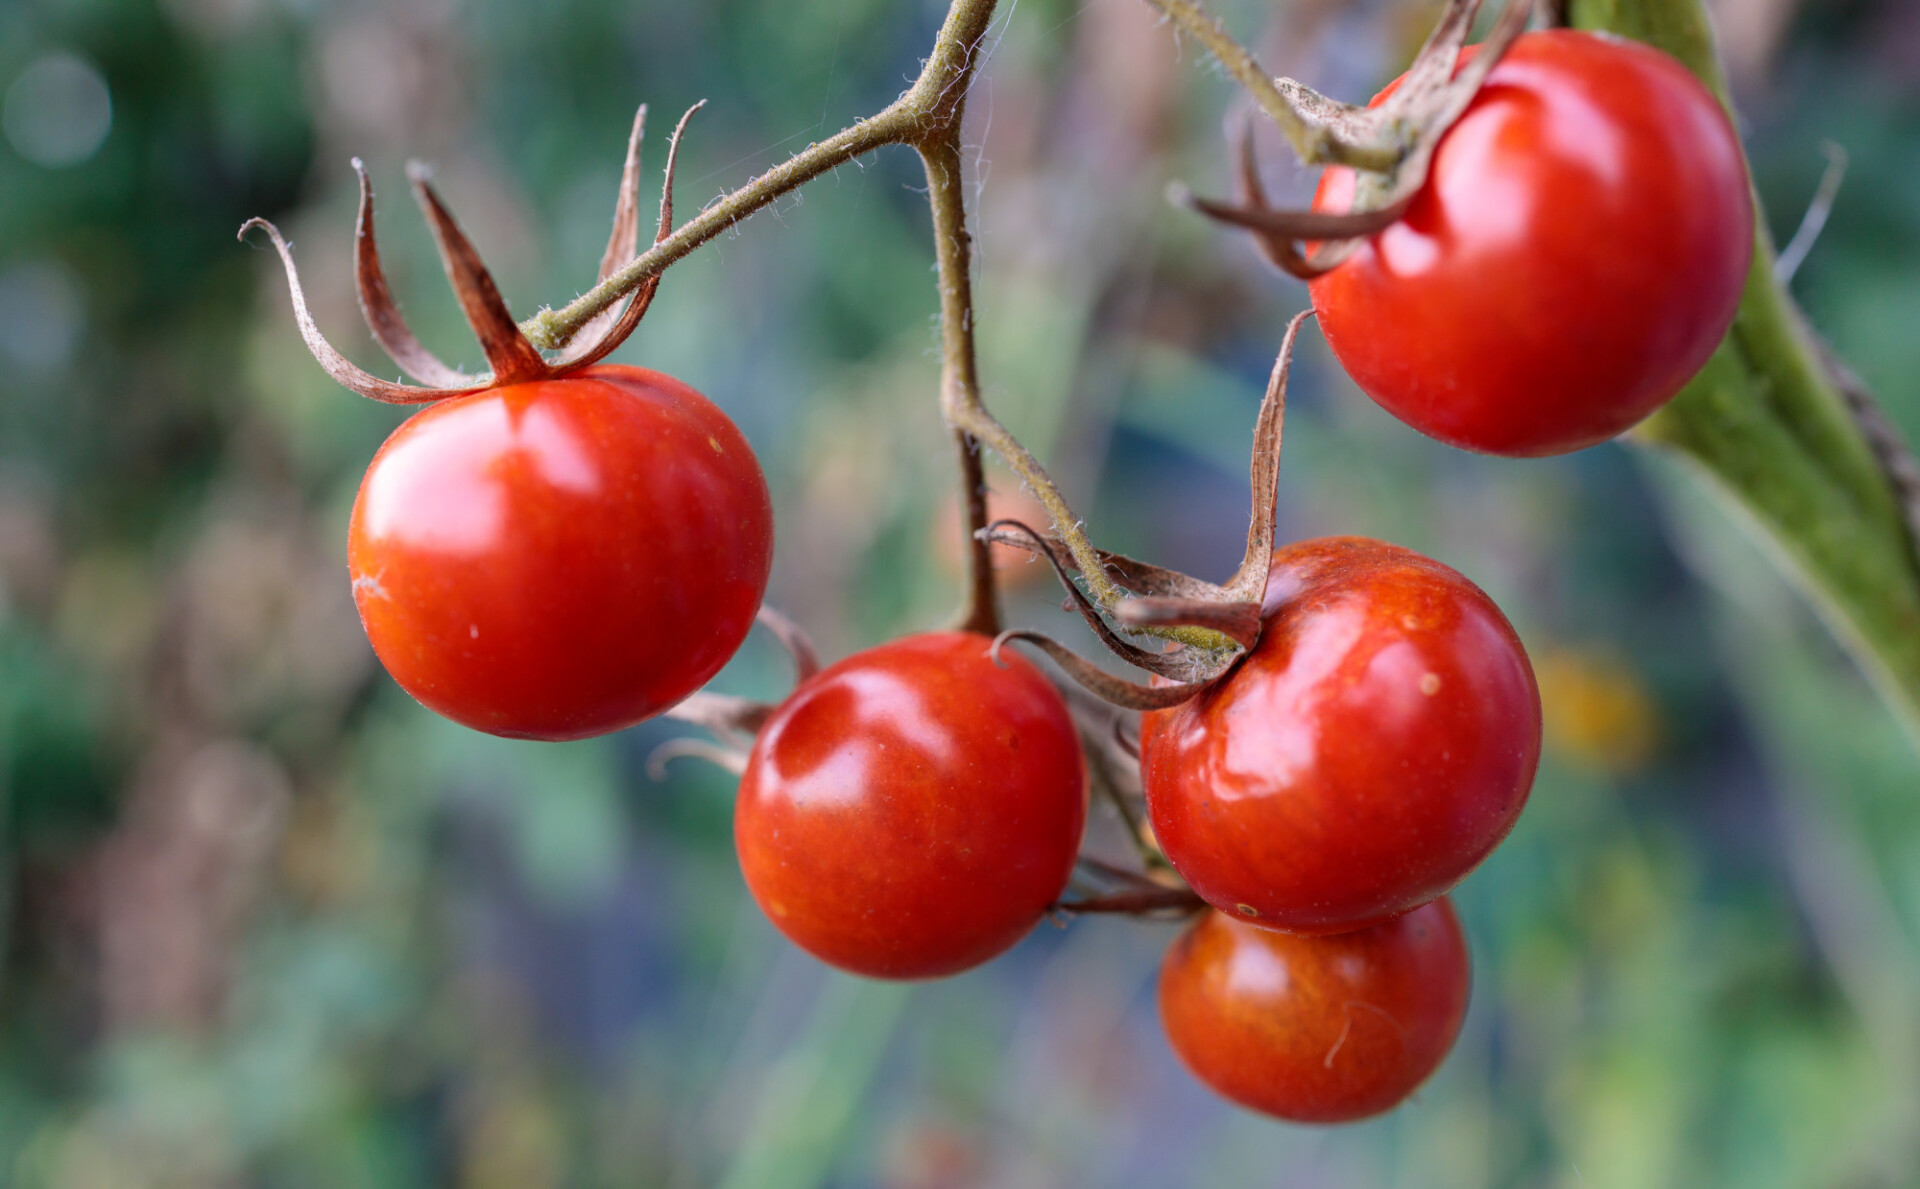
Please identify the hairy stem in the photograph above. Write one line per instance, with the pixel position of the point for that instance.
(959, 374)
(1316, 142)
(967, 413)
(945, 81)
(552, 329)
(1770, 425)
(928, 118)
(927, 111)
(960, 399)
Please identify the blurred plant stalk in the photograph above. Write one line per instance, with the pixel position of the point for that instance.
(1789, 440)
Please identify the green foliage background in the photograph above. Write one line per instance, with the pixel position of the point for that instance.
(265, 922)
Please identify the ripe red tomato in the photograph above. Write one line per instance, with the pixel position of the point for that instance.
(913, 810)
(563, 558)
(1317, 1029)
(1578, 251)
(1377, 743)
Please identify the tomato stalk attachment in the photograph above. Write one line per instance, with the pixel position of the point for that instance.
(1106, 888)
(1390, 146)
(511, 357)
(1157, 599)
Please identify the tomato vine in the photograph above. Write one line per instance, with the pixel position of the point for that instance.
(889, 820)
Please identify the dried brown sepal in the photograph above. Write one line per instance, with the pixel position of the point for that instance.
(1236, 620)
(624, 240)
(509, 354)
(584, 349)
(737, 720)
(1434, 64)
(1117, 690)
(1294, 225)
(382, 313)
(1183, 665)
(793, 638)
(1281, 251)
(689, 748)
(622, 244)
(1442, 98)
(1344, 120)
(1145, 578)
(1282, 235)
(1430, 98)
(1140, 577)
(338, 366)
(1165, 598)
(1249, 582)
(512, 358)
(723, 714)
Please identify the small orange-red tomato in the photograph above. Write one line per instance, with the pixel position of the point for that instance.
(1377, 743)
(1317, 1029)
(564, 558)
(913, 810)
(1578, 251)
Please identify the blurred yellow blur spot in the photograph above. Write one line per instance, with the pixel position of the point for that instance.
(511, 1136)
(1597, 711)
(108, 608)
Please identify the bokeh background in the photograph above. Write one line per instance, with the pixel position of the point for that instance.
(265, 922)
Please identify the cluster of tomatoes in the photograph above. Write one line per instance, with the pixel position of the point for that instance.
(917, 808)
(565, 558)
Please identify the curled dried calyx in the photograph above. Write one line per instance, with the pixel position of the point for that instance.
(1162, 598)
(734, 721)
(511, 359)
(1409, 123)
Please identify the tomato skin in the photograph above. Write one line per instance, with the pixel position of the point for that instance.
(1317, 1029)
(1377, 744)
(915, 809)
(563, 558)
(1578, 251)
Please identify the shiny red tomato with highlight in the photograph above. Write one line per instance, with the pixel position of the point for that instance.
(1578, 251)
(1377, 743)
(563, 558)
(1317, 1029)
(915, 809)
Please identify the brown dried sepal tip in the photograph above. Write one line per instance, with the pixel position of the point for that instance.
(1427, 103)
(511, 359)
(1163, 598)
(733, 721)
(736, 719)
